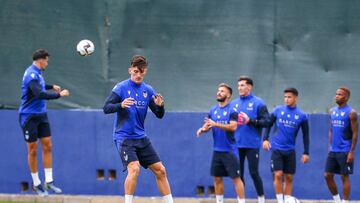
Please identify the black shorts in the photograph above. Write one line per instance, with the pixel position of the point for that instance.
(137, 150)
(225, 164)
(36, 126)
(336, 163)
(284, 161)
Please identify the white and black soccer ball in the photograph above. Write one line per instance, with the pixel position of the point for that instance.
(292, 199)
(85, 47)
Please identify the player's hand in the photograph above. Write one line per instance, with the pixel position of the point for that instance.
(127, 102)
(350, 157)
(57, 88)
(266, 145)
(64, 93)
(243, 118)
(305, 158)
(210, 123)
(159, 99)
(199, 132)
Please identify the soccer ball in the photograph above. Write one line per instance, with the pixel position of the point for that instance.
(292, 200)
(85, 47)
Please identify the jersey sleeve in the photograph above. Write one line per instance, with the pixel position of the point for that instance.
(117, 90)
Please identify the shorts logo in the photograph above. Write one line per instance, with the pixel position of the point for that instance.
(126, 157)
(27, 135)
(238, 172)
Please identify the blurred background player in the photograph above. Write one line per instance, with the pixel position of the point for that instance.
(252, 117)
(130, 100)
(343, 134)
(34, 121)
(224, 160)
(288, 119)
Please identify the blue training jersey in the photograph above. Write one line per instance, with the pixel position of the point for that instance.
(129, 123)
(249, 136)
(223, 141)
(341, 138)
(30, 105)
(288, 121)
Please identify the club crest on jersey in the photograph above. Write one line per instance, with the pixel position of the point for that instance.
(342, 113)
(129, 92)
(282, 113)
(215, 112)
(296, 116)
(224, 113)
(145, 94)
(250, 106)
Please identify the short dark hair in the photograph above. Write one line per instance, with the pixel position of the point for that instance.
(40, 54)
(139, 61)
(345, 89)
(291, 90)
(226, 86)
(248, 80)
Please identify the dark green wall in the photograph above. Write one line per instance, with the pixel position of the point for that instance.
(192, 45)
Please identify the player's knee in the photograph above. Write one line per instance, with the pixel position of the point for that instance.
(278, 175)
(32, 150)
(160, 171)
(328, 176)
(134, 170)
(288, 178)
(218, 180)
(47, 148)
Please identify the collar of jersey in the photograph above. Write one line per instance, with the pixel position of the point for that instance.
(247, 97)
(35, 68)
(133, 84)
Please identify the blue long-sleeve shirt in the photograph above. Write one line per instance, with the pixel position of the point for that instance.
(249, 135)
(129, 122)
(34, 93)
(288, 121)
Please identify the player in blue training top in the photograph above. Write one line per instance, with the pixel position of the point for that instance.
(343, 135)
(252, 117)
(34, 121)
(224, 160)
(130, 100)
(288, 119)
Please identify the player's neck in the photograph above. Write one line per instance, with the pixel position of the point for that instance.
(342, 105)
(224, 103)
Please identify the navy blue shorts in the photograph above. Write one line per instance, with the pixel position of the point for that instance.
(284, 161)
(36, 126)
(137, 150)
(225, 164)
(336, 163)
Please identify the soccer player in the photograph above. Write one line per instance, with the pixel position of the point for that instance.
(288, 119)
(343, 134)
(130, 100)
(34, 121)
(252, 117)
(224, 160)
